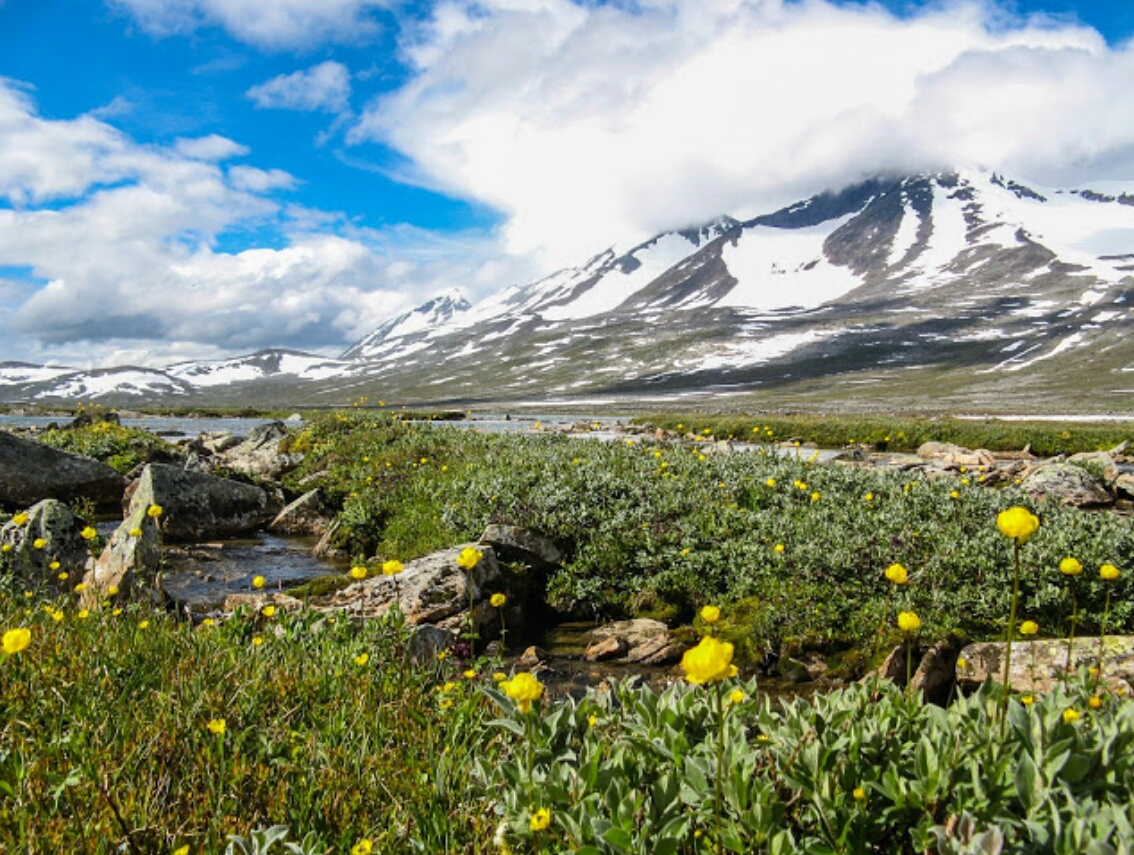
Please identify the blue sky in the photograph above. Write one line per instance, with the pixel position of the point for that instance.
(197, 178)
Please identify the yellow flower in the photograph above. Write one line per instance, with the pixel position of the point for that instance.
(57, 615)
(216, 726)
(499, 677)
(815, 496)
(497, 600)
(182, 850)
(469, 558)
(1028, 700)
(268, 611)
(154, 511)
(1109, 572)
(1017, 523)
(361, 659)
(20, 519)
(358, 573)
(897, 574)
(116, 612)
(257, 640)
(1070, 567)
(1094, 702)
(392, 568)
(592, 720)
(523, 688)
(869, 497)
(540, 820)
(1070, 715)
(363, 847)
(771, 482)
(88, 533)
(143, 624)
(82, 586)
(112, 591)
(736, 696)
(83, 614)
(258, 582)
(908, 622)
(710, 614)
(1029, 627)
(135, 532)
(954, 495)
(858, 794)
(778, 548)
(962, 662)
(710, 660)
(16, 640)
(7, 547)
(39, 543)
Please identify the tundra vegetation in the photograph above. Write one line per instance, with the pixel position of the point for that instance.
(125, 729)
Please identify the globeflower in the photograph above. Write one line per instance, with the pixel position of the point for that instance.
(358, 573)
(154, 511)
(88, 533)
(469, 558)
(497, 600)
(1070, 567)
(216, 726)
(1029, 627)
(1109, 572)
(392, 568)
(1070, 715)
(540, 820)
(363, 847)
(16, 640)
(135, 532)
(897, 574)
(258, 582)
(710, 614)
(908, 622)
(1017, 523)
(708, 661)
(20, 519)
(523, 688)
(268, 611)
(39, 543)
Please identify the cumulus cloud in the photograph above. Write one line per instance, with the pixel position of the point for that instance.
(323, 87)
(267, 23)
(587, 124)
(123, 259)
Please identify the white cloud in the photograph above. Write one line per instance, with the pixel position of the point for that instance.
(266, 23)
(322, 87)
(587, 124)
(122, 259)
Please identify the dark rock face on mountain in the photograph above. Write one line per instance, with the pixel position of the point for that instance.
(31, 471)
(950, 290)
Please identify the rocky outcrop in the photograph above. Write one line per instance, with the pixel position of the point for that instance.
(1068, 484)
(197, 507)
(31, 471)
(948, 454)
(642, 640)
(50, 536)
(1037, 666)
(516, 543)
(258, 454)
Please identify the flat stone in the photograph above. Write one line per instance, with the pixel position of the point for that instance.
(1040, 665)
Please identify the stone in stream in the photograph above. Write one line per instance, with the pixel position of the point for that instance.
(31, 471)
(309, 515)
(642, 640)
(200, 507)
(58, 528)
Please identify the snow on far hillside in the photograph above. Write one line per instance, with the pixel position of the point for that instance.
(784, 268)
(906, 236)
(948, 238)
(119, 381)
(750, 351)
(12, 373)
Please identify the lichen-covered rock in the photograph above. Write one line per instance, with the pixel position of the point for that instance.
(1040, 665)
(31, 471)
(197, 507)
(516, 543)
(948, 454)
(259, 455)
(129, 564)
(642, 640)
(51, 536)
(1068, 484)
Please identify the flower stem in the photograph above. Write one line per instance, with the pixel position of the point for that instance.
(1074, 620)
(717, 801)
(1008, 637)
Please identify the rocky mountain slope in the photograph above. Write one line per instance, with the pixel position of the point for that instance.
(950, 290)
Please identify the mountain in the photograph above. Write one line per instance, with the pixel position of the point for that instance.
(937, 291)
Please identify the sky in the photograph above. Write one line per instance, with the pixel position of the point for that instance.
(196, 179)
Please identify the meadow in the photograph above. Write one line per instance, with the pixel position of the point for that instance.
(125, 729)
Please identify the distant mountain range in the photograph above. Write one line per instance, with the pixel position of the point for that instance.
(946, 291)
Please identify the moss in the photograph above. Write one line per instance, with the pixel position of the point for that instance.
(324, 586)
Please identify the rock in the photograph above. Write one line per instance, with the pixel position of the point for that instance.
(259, 455)
(1096, 461)
(432, 589)
(516, 543)
(610, 647)
(955, 455)
(308, 515)
(327, 547)
(641, 640)
(31, 471)
(1068, 484)
(200, 507)
(58, 527)
(1124, 485)
(936, 673)
(1040, 665)
(130, 562)
(531, 658)
(894, 666)
(428, 642)
(255, 602)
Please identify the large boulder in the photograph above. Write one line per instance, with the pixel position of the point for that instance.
(516, 543)
(31, 471)
(948, 454)
(1068, 484)
(259, 455)
(641, 640)
(196, 506)
(310, 515)
(57, 531)
(130, 563)
(1037, 666)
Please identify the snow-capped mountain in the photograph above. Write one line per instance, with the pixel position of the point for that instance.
(945, 289)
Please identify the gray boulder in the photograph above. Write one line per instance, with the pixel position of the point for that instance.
(1068, 484)
(516, 543)
(31, 471)
(308, 515)
(1038, 666)
(948, 454)
(197, 507)
(259, 455)
(130, 563)
(56, 527)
